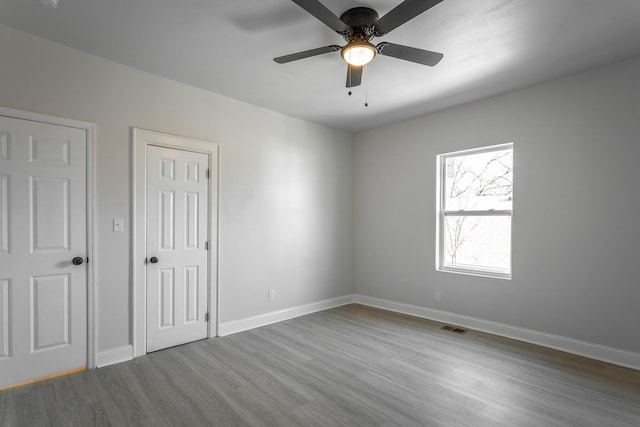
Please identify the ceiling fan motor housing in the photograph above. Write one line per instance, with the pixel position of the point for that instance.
(360, 20)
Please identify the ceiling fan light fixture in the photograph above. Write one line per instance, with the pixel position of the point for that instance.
(358, 53)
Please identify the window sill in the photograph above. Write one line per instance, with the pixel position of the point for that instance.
(477, 273)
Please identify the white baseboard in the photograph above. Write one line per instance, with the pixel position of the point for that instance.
(113, 356)
(569, 345)
(234, 326)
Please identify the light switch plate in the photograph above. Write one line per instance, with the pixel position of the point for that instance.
(118, 225)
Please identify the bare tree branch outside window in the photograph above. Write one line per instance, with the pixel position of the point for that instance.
(474, 182)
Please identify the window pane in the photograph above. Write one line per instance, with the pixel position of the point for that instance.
(479, 181)
(480, 243)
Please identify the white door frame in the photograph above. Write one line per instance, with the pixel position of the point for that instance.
(141, 138)
(91, 132)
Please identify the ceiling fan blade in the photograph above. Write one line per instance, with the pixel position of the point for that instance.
(324, 15)
(306, 54)
(413, 54)
(402, 13)
(354, 76)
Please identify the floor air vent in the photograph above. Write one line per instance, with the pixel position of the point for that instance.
(454, 329)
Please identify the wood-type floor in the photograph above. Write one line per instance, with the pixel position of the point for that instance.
(349, 366)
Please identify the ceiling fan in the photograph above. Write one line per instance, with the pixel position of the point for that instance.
(359, 26)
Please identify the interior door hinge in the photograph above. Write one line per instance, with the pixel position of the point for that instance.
(208, 174)
(206, 317)
(206, 245)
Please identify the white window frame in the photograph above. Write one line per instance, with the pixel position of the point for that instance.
(442, 214)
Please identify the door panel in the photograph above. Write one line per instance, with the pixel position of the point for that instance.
(4, 145)
(191, 294)
(167, 298)
(192, 220)
(167, 220)
(4, 214)
(50, 311)
(49, 201)
(5, 305)
(43, 296)
(49, 151)
(177, 196)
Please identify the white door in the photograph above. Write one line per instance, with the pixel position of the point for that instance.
(177, 200)
(43, 295)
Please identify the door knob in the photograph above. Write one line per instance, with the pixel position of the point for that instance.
(153, 260)
(77, 260)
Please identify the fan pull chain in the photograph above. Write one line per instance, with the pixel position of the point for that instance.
(350, 80)
(366, 86)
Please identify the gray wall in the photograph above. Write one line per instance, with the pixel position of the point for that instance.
(287, 217)
(576, 224)
(285, 184)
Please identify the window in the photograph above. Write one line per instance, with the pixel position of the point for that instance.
(475, 208)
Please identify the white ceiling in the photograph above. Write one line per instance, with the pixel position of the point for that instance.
(489, 46)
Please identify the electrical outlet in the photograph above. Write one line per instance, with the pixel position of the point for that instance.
(438, 296)
(272, 294)
(49, 3)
